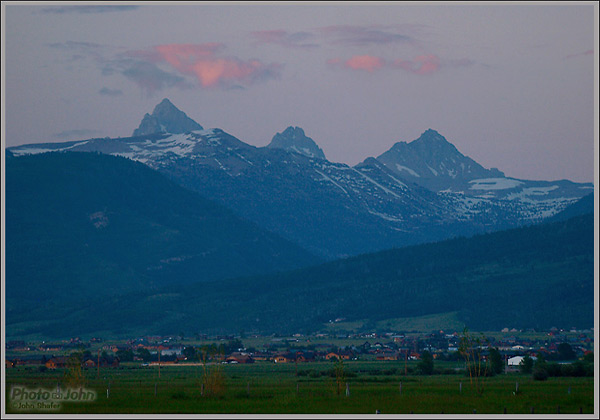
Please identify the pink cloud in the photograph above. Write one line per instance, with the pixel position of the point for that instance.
(201, 61)
(368, 63)
(365, 62)
(422, 64)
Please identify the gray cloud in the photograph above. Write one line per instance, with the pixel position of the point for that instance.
(363, 35)
(141, 70)
(110, 92)
(148, 76)
(285, 39)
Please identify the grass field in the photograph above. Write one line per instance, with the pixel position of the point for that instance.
(272, 388)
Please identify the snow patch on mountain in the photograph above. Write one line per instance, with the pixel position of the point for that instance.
(537, 191)
(410, 171)
(326, 178)
(494, 183)
(377, 184)
(385, 216)
(37, 150)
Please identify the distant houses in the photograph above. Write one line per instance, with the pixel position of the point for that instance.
(338, 355)
(107, 361)
(294, 357)
(56, 362)
(239, 358)
(516, 360)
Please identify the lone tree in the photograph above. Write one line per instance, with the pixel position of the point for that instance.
(189, 352)
(426, 363)
(526, 365)
(340, 375)
(144, 354)
(496, 361)
(74, 376)
(471, 350)
(565, 352)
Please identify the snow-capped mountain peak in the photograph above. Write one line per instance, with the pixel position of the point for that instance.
(293, 139)
(166, 118)
(434, 162)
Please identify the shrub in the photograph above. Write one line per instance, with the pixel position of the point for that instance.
(526, 365)
(540, 374)
(554, 369)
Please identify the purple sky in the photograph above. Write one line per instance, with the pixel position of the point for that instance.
(512, 86)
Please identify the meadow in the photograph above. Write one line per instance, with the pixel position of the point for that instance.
(311, 388)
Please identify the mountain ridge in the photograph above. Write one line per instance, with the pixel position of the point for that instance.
(333, 209)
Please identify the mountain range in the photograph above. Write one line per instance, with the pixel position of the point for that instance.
(185, 228)
(416, 192)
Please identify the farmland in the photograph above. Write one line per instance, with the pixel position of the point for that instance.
(312, 388)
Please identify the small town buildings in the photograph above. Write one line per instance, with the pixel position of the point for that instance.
(516, 360)
(56, 362)
(338, 355)
(239, 358)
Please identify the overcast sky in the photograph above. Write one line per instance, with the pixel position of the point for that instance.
(510, 85)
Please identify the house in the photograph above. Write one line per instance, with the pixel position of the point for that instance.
(292, 357)
(239, 358)
(338, 355)
(516, 361)
(109, 361)
(170, 350)
(51, 347)
(283, 358)
(88, 363)
(56, 362)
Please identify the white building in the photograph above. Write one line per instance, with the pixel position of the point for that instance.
(516, 361)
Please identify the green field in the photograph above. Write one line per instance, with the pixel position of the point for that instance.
(265, 387)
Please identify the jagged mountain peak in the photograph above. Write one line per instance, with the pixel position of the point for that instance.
(166, 118)
(164, 107)
(293, 139)
(431, 139)
(434, 162)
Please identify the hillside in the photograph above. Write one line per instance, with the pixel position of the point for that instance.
(532, 277)
(583, 206)
(82, 225)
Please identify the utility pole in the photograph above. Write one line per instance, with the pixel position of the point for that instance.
(98, 366)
